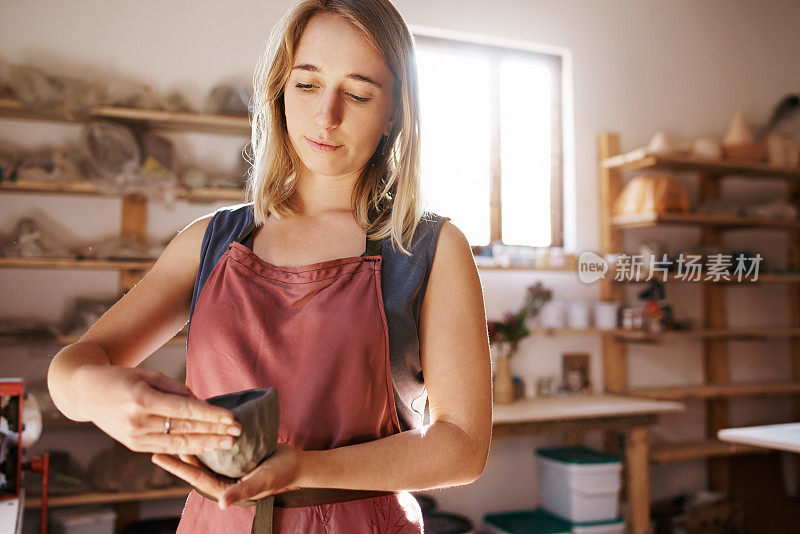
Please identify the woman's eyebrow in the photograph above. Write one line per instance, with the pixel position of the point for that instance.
(355, 76)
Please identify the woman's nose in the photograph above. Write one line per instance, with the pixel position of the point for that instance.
(329, 111)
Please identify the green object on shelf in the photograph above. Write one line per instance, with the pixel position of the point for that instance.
(577, 455)
(535, 521)
(615, 521)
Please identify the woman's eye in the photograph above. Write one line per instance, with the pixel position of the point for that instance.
(360, 99)
(304, 86)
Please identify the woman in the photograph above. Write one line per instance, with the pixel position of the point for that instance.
(281, 292)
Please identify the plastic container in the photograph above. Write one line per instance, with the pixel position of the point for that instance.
(446, 523)
(536, 521)
(606, 315)
(579, 484)
(553, 314)
(579, 315)
(82, 521)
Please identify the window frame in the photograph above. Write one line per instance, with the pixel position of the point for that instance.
(495, 53)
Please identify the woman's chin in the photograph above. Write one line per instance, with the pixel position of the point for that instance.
(328, 170)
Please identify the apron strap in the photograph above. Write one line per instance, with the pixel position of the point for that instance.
(262, 522)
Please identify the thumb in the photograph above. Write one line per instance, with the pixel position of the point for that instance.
(162, 382)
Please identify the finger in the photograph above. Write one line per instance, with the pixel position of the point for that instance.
(196, 476)
(155, 423)
(255, 485)
(190, 459)
(184, 443)
(179, 407)
(240, 491)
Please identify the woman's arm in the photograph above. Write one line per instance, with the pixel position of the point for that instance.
(451, 450)
(92, 379)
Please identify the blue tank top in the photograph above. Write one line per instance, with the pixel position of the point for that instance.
(403, 283)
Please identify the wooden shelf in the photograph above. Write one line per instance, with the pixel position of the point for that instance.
(714, 391)
(573, 270)
(179, 339)
(75, 264)
(644, 336)
(712, 333)
(208, 194)
(644, 220)
(692, 450)
(778, 277)
(148, 118)
(109, 497)
(641, 160)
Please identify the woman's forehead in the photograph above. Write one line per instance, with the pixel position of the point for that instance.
(334, 46)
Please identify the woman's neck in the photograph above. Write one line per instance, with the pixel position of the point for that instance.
(317, 194)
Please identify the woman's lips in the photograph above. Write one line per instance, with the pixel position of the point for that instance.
(319, 147)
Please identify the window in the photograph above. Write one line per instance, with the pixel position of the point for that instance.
(491, 140)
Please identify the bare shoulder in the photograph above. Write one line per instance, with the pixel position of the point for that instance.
(453, 251)
(185, 246)
(454, 274)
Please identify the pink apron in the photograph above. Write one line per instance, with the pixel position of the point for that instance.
(318, 335)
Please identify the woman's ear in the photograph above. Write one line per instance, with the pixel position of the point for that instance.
(392, 120)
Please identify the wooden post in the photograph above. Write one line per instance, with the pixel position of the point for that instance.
(715, 351)
(133, 223)
(636, 484)
(637, 475)
(793, 259)
(615, 368)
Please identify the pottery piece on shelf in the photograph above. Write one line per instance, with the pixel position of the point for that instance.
(739, 142)
(738, 132)
(781, 152)
(660, 143)
(707, 147)
(652, 194)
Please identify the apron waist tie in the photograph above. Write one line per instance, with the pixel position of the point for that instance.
(262, 523)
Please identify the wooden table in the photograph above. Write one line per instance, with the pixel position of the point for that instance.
(784, 437)
(572, 416)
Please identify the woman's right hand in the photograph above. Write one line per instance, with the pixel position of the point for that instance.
(132, 404)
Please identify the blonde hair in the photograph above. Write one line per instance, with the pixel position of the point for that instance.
(386, 198)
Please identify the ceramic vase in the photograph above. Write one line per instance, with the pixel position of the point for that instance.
(503, 382)
(503, 387)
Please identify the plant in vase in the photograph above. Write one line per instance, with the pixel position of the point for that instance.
(536, 296)
(506, 335)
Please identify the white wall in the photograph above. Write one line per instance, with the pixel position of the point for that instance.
(639, 65)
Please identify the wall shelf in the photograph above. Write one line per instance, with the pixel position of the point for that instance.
(179, 339)
(148, 118)
(85, 188)
(642, 160)
(767, 277)
(75, 264)
(692, 450)
(715, 391)
(645, 220)
(60, 501)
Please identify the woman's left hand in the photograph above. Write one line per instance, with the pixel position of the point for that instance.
(278, 473)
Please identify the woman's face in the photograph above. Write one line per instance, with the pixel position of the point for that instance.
(339, 94)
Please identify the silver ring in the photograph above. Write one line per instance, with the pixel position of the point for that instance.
(167, 425)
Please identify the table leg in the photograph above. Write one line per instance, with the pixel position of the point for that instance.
(637, 471)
